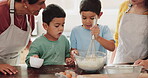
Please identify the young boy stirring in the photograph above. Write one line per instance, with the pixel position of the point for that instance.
(81, 35)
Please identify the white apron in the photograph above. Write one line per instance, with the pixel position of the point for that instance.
(13, 40)
(133, 39)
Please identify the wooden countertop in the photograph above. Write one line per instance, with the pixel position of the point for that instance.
(44, 72)
(50, 70)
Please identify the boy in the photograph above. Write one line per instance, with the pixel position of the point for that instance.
(81, 35)
(53, 47)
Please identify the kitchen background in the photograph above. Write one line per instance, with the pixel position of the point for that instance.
(109, 8)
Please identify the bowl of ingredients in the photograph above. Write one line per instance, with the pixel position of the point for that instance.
(90, 62)
(123, 71)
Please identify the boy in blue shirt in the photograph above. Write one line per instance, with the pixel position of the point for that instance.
(81, 35)
(53, 47)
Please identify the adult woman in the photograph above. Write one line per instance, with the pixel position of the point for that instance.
(15, 30)
(132, 42)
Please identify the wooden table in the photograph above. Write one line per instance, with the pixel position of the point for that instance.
(44, 72)
(50, 70)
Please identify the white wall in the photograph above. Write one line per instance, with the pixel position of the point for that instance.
(109, 17)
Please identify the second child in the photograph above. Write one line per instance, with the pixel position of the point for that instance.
(53, 47)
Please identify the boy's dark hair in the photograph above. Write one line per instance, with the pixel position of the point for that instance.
(52, 11)
(90, 5)
(29, 1)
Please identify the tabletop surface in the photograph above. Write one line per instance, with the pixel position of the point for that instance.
(46, 71)
(49, 72)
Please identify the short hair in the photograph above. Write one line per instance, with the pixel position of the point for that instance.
(52, 11)
(90, 5)
(29, 1)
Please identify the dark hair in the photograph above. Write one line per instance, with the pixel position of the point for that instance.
(29, 1)
(52, 11)
(146, 3)
(90, 5)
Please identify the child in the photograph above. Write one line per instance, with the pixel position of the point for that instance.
(133, 33)
(53, 47)
(81, 35)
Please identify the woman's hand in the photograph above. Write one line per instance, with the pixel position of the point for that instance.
(143, 63)
(8, 69)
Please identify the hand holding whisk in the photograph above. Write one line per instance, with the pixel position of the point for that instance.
(94, 30)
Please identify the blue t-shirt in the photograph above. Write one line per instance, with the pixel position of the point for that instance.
(80, 38)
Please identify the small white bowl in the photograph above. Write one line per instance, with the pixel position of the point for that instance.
(36, 62)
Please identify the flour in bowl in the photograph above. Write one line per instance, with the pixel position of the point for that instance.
(91, 63)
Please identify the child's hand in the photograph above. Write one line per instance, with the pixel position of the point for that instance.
(35, 56)
(74, 52)
(95, 30)
(70, 61)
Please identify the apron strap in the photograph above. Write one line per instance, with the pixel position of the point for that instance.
(12, 11)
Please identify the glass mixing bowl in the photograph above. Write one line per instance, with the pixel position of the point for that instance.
(90, 62)
(123, 71)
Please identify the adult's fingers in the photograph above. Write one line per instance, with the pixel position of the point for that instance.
(10, 69)
(137, 62)
(2, 71)
(13, 70)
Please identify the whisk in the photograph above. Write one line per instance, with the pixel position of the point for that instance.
(91, 50)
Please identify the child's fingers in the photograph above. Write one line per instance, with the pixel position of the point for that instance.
(94, 27)
(69, 61)
(74, 52)
(95, 30)
(35, 56)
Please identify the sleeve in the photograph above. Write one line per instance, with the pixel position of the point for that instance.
(123, 8)
(73, 40)
(4, 16)
(34, 50)
(67, 48)
(107, 34)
